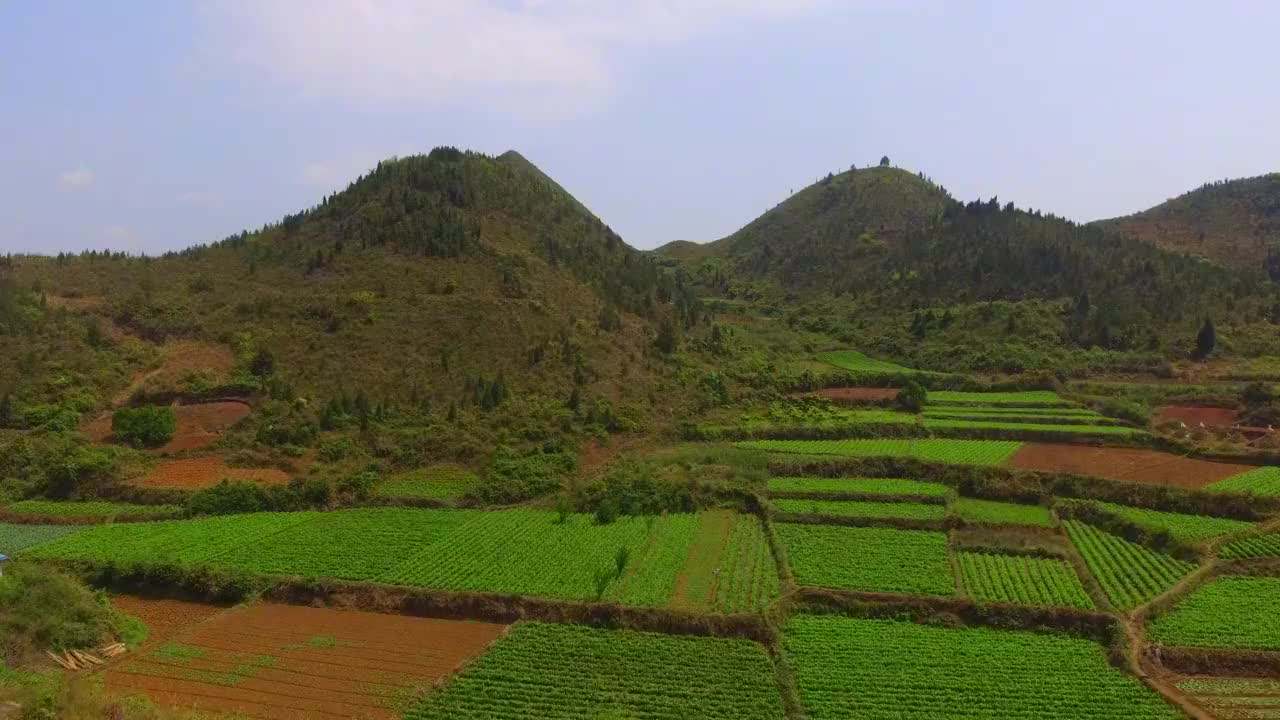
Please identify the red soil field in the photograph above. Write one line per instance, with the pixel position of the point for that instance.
(290, 663)
(203, 472)
(199, 425)
(164, 617)
(1149, 467)
(1193, 416)
(858, 394)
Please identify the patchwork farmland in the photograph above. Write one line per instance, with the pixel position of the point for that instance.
(882, 574)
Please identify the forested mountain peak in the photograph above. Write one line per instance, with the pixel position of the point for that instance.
(1235, 223)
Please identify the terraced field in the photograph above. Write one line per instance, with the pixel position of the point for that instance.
(871, 559)
(525, 552)
(990, 512)
(89, 509)
(435, 483)
(571, 672)
(886, 670)
(288, 662)
(1021, 579)
(961, 452)
(14, 538)
(1229, 612)
(1235, 698)
(1129, 573)
(861, 509)
(1263, 481)
(1255, 546)
(1189, 529)
(855, 488)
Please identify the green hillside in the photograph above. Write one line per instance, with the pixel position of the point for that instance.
(1235, 223)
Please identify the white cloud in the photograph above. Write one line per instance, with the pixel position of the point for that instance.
(81, 177)
(532, 55)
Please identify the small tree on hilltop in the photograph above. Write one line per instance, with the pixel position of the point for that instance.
(1205, 340)
(884, 161)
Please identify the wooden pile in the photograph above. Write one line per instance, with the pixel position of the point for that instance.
(80, 660)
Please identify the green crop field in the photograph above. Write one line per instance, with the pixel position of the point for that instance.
(434, 483)
(1021, 579)
(572, 672)
(1229, 612)
(857, 362)
(995, 411)
(1262, 481)
(746, 578)
(1026, 398)
(21, 537)
(1008, 425)
(887, 670)
(869, 487)
(1254, 546)
(1183, 528)
(861, 509)
(510, 551)
(90, 508)
(990, 512)
(960, 452)
(873, 559)
(1129, 573)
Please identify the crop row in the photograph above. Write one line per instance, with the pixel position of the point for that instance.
(1021, 579)
(1129, 573)
(434, 483)
(1230, 612)
(569, 672)
(865, 558)
(962, 452)
(1254, 546)
(858, 362)
(1260, 481)
(887, 670)
(747, 579)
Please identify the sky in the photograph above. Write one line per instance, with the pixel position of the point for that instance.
(153, 125)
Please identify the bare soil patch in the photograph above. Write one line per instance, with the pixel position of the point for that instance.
(203, 472)
(199, 425)
(855, 395)
(164, 617)
(1194, 416)
(1150, 467)
(287, 662)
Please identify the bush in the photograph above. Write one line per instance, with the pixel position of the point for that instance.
(43, 609)
(228, 498)
(144, 426)
(912, 397)
(514, 476)
(1257, 393)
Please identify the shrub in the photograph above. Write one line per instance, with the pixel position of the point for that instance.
(359, 485)
(227, 498)
(912, 397)
(144, 426)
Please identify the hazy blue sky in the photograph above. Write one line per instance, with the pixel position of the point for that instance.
(155, 125)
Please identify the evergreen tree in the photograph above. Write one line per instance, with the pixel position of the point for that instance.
(1205, 340)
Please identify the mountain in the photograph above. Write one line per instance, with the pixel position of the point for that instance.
(425, 284)
(1235, 223)
(885, 240)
